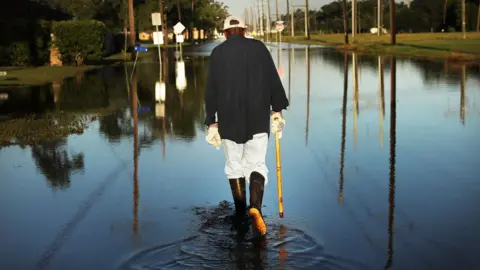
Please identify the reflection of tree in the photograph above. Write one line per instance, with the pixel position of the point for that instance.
(115, 125)
(432, 72)
(54, 162)
(94, 90)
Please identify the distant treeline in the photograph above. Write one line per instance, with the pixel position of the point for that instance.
(418, 16)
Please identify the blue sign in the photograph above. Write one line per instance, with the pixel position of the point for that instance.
(143, 109)
(139, 48)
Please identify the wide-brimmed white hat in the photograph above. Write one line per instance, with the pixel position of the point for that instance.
(228, 23)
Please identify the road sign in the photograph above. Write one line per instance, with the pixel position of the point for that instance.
(156, 19)
(180, 38)
(178, 28)
(140, 48)
(158, 37)
(279, 26)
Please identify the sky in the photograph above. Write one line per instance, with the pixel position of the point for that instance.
(237, 7)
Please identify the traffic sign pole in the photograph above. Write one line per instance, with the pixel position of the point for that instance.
(157, 38)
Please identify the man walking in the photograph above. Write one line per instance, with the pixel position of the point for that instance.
(244, 97)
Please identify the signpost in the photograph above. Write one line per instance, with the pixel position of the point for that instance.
(158, 36)
(279, 27)
(178, 29)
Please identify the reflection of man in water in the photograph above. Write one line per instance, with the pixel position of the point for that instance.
(243, 94)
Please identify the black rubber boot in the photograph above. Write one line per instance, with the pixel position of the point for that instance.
(257, 183)
(239, 196)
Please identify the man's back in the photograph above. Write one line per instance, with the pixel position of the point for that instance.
(242, 85)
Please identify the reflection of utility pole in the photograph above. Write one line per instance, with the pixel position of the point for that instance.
(381, 97)
(344, 126)
(355, 98)
(462, 94)
(393, 138)
(289, 73)
(307, 51)
(131, 22)
(135, 152)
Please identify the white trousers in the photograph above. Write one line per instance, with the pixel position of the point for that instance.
(243, 159)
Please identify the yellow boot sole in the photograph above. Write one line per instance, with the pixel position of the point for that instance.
(258, 221)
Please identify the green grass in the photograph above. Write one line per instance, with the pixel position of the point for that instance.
(425, 45)
(18, 76)
(41, 75)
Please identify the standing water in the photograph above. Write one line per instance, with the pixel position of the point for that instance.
(379, 166)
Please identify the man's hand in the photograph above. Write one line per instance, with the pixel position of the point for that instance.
(277, 123)
(213, 137)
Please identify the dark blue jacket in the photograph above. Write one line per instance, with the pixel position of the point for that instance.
(243, 87)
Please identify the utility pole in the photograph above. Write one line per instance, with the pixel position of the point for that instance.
(193, 20)
(463, 20)
(179, 11)
(278, 12)
(165, 35)
(288, 11)
(345, 21)
(478, 19)
(269, 21)
(131, 23)
(293, 22)
(278, 19)
(260, 15)
(254, 19)
(307, 20)
(393, 30)
(354, 18)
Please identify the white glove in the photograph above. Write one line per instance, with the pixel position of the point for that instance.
(278, 122)
(213, 137)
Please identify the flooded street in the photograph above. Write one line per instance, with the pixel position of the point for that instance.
(379, 163)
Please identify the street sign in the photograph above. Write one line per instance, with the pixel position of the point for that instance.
(156, 19)
(279, 26)
(180, 38)
(178, 28)
(139, 48)
(158, 37)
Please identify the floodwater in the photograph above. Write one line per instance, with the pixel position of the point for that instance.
(379, 164)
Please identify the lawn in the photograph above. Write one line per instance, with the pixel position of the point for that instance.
(40, 75)
(17, 76)
(427, 45)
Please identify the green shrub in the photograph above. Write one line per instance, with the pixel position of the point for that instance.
(79, 40)
(19, 54)
(24, 42)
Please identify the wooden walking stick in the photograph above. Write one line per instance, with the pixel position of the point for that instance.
(279, 176)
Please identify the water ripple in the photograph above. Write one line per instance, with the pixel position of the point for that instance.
(223, 244)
